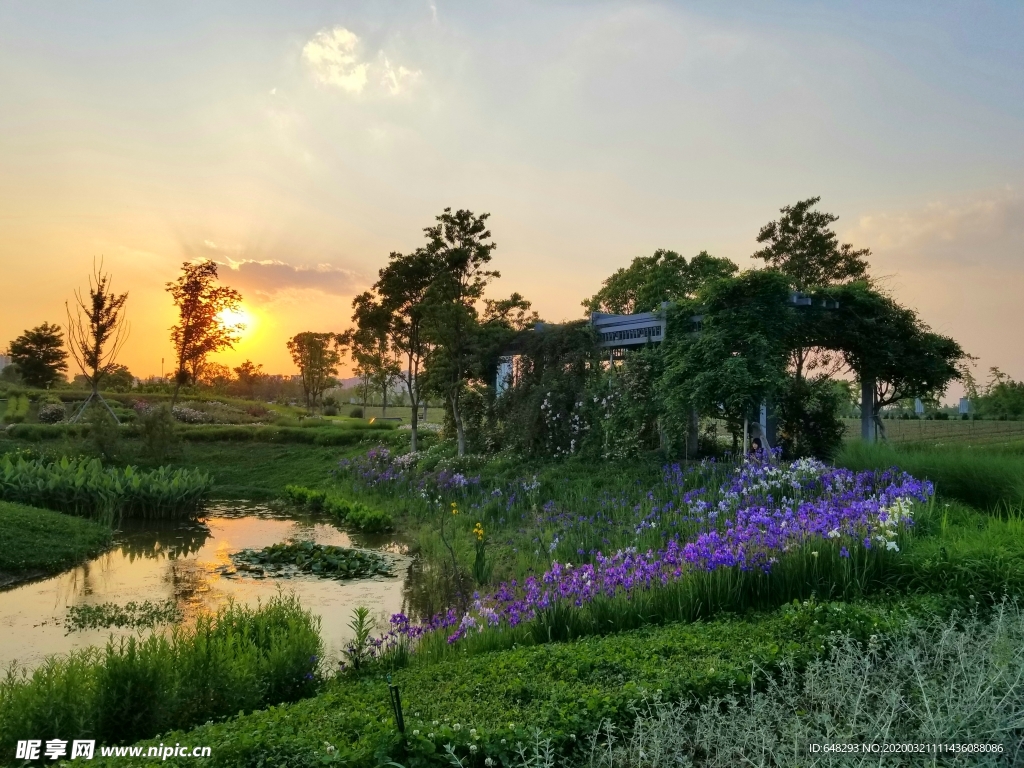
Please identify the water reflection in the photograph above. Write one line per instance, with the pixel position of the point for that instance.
(161, 560)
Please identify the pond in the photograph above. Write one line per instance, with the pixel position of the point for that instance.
(190, 563)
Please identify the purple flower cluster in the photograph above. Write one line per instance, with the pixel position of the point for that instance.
(761, 511)
(380, 468)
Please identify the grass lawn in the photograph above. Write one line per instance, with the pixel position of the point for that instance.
(260, 471)
(34, 539)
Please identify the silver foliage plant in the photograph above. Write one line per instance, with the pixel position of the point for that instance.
(946, 681)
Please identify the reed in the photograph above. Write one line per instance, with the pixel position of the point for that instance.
(238, 659)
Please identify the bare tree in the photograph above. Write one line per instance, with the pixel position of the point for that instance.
(97, 330)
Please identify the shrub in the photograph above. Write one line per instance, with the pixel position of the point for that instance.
(17, 409)
(809, 423)
(103, 436)
(157, 431)
(240, 659)
(967, 674)
(355, 413)
(190, 415)
(84, 487)
(352, 513)
(51, 413)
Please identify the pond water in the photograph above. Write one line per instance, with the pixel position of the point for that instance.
(189, 562)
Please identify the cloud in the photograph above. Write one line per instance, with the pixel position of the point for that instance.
(986, 230)
(269, 277)
(333, 56)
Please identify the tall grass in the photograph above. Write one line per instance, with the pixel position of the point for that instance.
(84, 487)
(981, 478)
(239, 659)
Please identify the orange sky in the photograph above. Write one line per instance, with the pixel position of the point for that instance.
(299, 146)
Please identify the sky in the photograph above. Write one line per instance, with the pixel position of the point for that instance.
(299, 144)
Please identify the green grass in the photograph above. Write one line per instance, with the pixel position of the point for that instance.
(565, 689)
(980, 477)
(240, 659)
(40, 540)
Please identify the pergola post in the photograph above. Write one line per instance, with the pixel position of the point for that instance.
(867, 409)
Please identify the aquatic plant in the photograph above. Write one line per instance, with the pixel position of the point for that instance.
(240, 658)
(289, 558)
(144, 615)
(85, 487)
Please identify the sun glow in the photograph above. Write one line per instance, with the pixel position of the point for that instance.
(241, 319)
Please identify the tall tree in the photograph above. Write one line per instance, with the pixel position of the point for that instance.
(802, 245)
(316, 355)
(651, 280)
(371, 344)
(97, 328)
(201, 329)
(39, 355)
(462, 246)
(402, 288)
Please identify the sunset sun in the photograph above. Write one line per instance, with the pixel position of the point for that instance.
(241, 318)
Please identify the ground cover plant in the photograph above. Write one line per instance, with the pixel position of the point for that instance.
(133, 615)
(239, 659)
(483, 705)
(353, 514)
(86, 488)
(325, 560)
(40, 540)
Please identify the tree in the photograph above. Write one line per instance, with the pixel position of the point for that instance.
(892, 347)
(249, 375)
(97, 330)
(802, 246)
(370, 344)
(651, 280)
(119, 379)
(316, 355)
(200, 330)
(402, 288)
(738, 359)
(40, 356)
(460, 242)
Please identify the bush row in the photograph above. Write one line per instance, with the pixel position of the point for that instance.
(321, 435)
(240, 659)
(352, 513)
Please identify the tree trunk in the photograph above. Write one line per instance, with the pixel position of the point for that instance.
(384, 396)
(413, 415)
(692, 434)
(881, 426)
(459, 428)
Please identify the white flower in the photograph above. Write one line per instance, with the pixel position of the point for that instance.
(457, 727)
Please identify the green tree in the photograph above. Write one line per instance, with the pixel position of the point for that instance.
(461, 245)
(248, 377)
(119, 379)
(890, 345)
(402, 290)
(802, 245)
(40, 356)
(736, 359)
(201, 330)
(651, 280)
(371, 347)
(316, 355)
(97, 328)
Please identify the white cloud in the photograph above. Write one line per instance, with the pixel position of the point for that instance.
(396, 79)
(334, 58)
